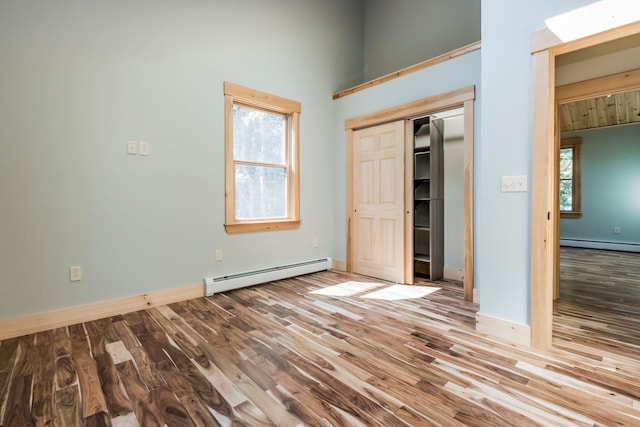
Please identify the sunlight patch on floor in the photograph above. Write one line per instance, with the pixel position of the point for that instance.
(347, 289)
(400, 292)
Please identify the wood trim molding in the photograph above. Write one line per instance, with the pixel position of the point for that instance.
(338, 265)
(468, 201)
(543, 214)
(433, 103)
(615, 83)
(545, 140)
(545, 39)
(464, 97)
(411, 69)
(510, 331)
(408, 200)
(19, 326)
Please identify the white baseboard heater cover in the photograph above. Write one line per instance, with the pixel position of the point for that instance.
(234, 281)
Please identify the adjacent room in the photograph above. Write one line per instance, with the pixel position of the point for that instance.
(319, 212)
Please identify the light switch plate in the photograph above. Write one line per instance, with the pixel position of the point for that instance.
(509, 184)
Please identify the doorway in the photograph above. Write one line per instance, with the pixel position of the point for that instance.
(462, 98)
(545, 210)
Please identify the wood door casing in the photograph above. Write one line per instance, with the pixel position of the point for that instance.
(463, 97)
(378, 201)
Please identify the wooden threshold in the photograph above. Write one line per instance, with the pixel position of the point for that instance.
(410, 69)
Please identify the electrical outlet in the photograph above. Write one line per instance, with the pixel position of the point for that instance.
(143, 148)
(132, 147)
(75, 273)
(616, 230)
(218, 254)
(314, 243)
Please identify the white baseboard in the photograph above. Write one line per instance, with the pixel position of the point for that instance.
(505, 329)
(597, 244)
(19, 326)
(338, 265)
(453, 274)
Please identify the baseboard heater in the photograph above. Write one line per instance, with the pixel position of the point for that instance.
(234, 281)
(598, 244)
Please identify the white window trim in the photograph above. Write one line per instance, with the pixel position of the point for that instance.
(236, 94)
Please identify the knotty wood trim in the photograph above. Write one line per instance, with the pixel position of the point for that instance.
(575, 143)
(338, 265)
(236, 94)
(544, 200)
(433, 103)
(615, 83)
(468, 201)
(15, 327)
(409, 141)
(349, 201)
(410, 69)
(462, 97)
(510, 331)
(256, 98)
(542, 211)
(545, 39)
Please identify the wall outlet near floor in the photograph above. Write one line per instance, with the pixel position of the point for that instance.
(143, 148)
(132, 147)
(616, 230)
(75, 273)
(218, 255)
(314, 243)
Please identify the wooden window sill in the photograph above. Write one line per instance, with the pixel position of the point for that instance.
(251, 227)
(570, 214)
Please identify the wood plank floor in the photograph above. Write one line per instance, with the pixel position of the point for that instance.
(281, 355)
(598, 312)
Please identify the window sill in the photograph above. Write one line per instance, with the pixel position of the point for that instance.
(570, 214)
(251, 227)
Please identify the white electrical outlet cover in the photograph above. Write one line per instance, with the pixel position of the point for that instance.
(144, 148)
(132, 147)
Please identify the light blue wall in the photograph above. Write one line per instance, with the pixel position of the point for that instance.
(610, 160)
(401, 33)
(78, 79)
(457, 73)
(453, 202)
(503, 221)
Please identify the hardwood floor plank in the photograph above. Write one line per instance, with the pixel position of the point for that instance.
(17, 411)
(280, 355)
(68, 407)
(42, 412)
(173, 412)
(198, 412)
(147, 414)
(93, 400)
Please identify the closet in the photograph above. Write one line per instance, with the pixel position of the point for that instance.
(428, 197)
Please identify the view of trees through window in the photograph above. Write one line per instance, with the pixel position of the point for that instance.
(566, 179)
(260, 158)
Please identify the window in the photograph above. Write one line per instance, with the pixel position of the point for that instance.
(262, 161)
(570, 178)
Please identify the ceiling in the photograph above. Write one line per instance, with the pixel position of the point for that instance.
(610, 110)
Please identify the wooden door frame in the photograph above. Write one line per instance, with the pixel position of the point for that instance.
(545, 221)
(464, 98)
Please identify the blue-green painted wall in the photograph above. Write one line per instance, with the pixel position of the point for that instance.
(610, 186)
